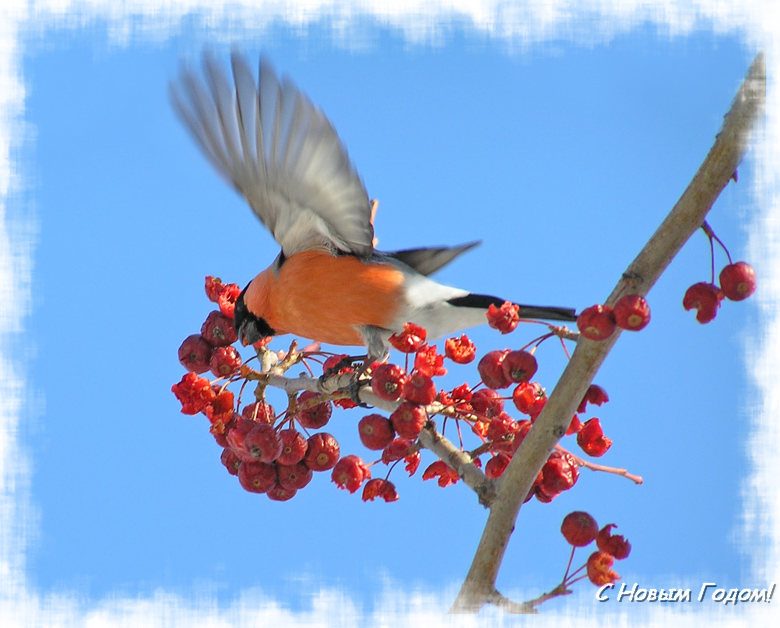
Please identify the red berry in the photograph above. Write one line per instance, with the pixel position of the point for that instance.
(460, 395)
(614, 545)
(523, 427)
(408, 419)
(591, 438)
(230, 460)
(440, 469)
(221, 409)
(376, 432)
(501, 431)
(487, 403)
(350, 472)
(579, 528)
(412, 462)
(259, 411)
(505, 318)
(574, 426)
(526, 394)
(293, 446)
(263, 342)
(293, 476)
(220, 430)
(379, 488)
(236, 436)
(599, 569)
(388, 381)
(595, 395)
(225, 361)
(496, 466)
(458, 398)
(323, 452)
(596, 322)
(262, 442)
(195, 353)
(559, 474)
(536, 407)
(632, 312)
(195, 393)
(315, 416)
(396, 450)
(213, 286)
(218, 330)
(411, 339)
(227, 299)
(345, 403)
(519, 366)
(738, 281)
(279, 493)
(491, 370)
(460, 350)
(419, 389)
(257, 477)
(428, 361)
(705, 298)
(339, 362)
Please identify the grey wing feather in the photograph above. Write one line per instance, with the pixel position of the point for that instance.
(280, 152)
(427, 261)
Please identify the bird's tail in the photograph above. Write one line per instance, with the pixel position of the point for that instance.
(543, 312)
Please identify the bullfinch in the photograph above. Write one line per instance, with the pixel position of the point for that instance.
(328, 283)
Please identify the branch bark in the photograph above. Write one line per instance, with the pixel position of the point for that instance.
(686, 217)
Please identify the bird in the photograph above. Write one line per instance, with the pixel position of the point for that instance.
(329, 283)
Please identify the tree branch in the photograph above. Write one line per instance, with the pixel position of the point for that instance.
(684, 219)
(461, 462)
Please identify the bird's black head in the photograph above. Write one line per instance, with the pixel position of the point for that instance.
(250, 328)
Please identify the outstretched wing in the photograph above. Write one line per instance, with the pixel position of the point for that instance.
(427, 261)
(280, 152)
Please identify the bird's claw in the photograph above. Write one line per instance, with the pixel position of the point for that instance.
(356, 383)
(346, 362)
(357, 380)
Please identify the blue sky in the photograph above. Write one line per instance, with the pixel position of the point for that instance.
(561, 155)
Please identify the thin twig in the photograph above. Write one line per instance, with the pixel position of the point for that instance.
(581, 462)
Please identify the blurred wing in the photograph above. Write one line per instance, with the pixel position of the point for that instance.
(280, 152)
(427, 261)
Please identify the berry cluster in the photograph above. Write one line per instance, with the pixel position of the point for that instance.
(267, 456)
(580, 529)
(598, 322)
(737, 282)
(211, 349)
(277, 453)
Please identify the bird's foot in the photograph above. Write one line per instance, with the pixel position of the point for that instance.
(343, 366)
(347, 362)
(356, 383)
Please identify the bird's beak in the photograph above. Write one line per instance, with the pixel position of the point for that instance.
(242, 335)
(248, 333)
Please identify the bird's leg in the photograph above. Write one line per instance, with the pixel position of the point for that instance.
(357, 381)
(346, 362)
(355, 384)
(377, 352)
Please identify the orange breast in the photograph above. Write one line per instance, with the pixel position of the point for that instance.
(323, 297)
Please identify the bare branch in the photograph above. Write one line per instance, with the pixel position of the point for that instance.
(685, 218)
(636, 479)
